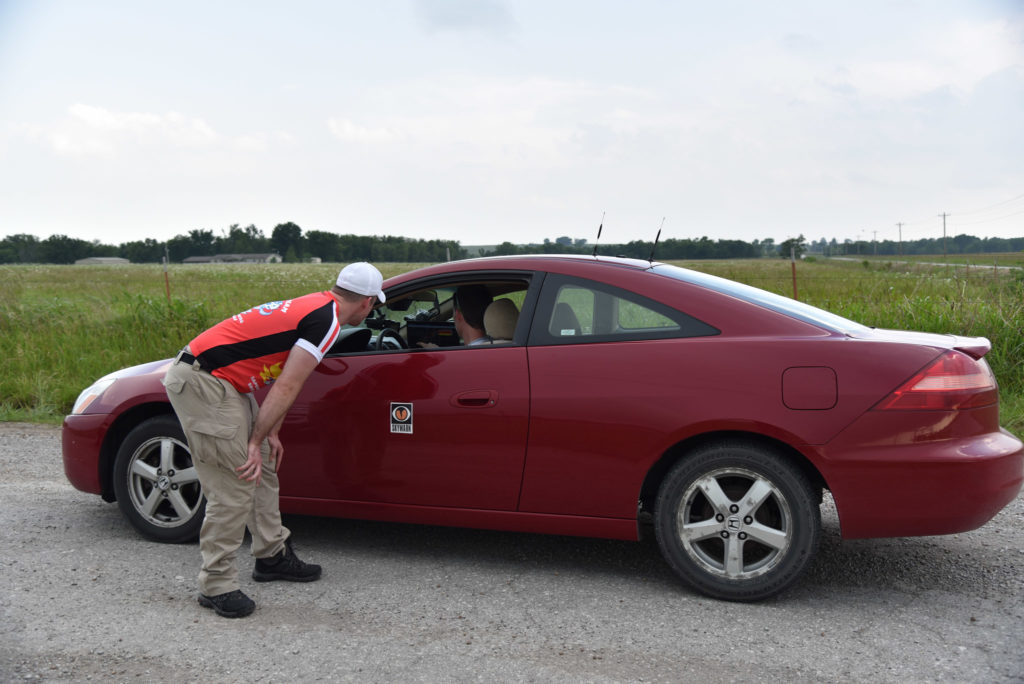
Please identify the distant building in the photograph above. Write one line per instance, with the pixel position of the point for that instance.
(270, 258)
(101, 261)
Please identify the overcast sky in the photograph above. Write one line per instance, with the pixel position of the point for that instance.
(491, 120)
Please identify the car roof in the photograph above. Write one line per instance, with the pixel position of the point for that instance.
(590, 266)
(520, 262)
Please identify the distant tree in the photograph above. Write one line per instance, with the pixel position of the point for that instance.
(142, 251)
(287, 238)
(248, 240)
(19, 249)
(797, 246)
(203, 242)
(967, 244)
(100, 249)
(326, 246)
(61, 249)
(180, 248)
(505, 248)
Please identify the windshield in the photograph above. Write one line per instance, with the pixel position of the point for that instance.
(769, 300)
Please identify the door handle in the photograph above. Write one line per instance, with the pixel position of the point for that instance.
(475, 399)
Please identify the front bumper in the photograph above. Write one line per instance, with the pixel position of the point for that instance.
(82, 450)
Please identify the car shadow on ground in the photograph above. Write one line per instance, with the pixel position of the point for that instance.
(516, 551)
(912, 565)
(908, 565)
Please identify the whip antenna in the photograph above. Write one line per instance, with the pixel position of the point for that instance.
(656, 238)
(599, 227)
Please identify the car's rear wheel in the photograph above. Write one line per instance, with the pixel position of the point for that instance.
(157, 487)
(737, 521)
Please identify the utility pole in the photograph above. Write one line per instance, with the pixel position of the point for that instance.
(945, 254)
(900, 227)
(874, 239)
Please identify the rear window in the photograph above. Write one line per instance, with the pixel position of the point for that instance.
(769, 300)
(576, 310)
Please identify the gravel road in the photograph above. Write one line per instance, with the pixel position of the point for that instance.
(83, 597)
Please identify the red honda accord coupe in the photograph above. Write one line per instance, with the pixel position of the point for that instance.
(617, 396)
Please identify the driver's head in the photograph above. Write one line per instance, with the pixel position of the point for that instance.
(471, 301)
(359, 285)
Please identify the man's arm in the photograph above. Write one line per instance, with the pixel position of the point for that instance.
(297, 367)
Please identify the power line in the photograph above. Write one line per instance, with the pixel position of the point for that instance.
(991, 206)
(997, 218)
(926, 220)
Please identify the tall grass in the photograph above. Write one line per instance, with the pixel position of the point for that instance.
(61, 327)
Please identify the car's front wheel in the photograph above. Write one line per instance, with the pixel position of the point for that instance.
(156, 485)
(737, 521)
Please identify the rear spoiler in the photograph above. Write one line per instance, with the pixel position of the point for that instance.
(975, 347)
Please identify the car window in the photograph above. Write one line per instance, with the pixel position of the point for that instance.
(422, 318)
(576, 310)
(770, 300)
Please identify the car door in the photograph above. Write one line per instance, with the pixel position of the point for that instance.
(604, 364)
(422, 427)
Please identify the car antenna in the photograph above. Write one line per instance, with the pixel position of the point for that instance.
(656, 238)
(599, 227)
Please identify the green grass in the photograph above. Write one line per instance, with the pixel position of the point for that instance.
(61, 327)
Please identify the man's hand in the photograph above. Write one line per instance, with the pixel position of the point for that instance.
(297, 367)
(252, 469)
(276, 451)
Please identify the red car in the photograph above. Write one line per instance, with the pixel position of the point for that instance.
(618, 396)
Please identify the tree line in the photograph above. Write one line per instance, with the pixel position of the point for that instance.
(286, 240)
(293, 245)
(959, 244)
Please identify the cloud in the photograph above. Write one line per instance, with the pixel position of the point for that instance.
(519, 122)
(957, 61)
(487, 16)
(349, 131)
(91, 130)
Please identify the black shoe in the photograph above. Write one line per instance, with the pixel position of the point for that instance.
(233, 604)
(285, 566)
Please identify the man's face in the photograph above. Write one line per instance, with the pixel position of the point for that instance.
(360, 314)
(460, 324)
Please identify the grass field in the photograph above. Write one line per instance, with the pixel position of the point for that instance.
(61, 327)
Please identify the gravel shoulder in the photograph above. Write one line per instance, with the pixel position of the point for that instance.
(83, 597)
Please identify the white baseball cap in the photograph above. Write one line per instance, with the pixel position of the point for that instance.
(362, 278)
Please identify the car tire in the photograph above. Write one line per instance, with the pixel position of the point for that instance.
(155, 483)
(737, 521)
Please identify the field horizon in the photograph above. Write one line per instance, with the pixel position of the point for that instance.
(64, 326)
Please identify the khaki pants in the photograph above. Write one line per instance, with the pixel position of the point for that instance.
(217, 420)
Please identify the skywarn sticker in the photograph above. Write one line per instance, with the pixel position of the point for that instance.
(401, 417)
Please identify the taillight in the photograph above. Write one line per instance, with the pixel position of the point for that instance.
(953, 381)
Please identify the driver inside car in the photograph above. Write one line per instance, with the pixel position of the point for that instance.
(469, 303)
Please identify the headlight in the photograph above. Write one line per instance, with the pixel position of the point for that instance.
(92, 393)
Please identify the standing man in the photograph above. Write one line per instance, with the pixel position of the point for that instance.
(234, 442)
